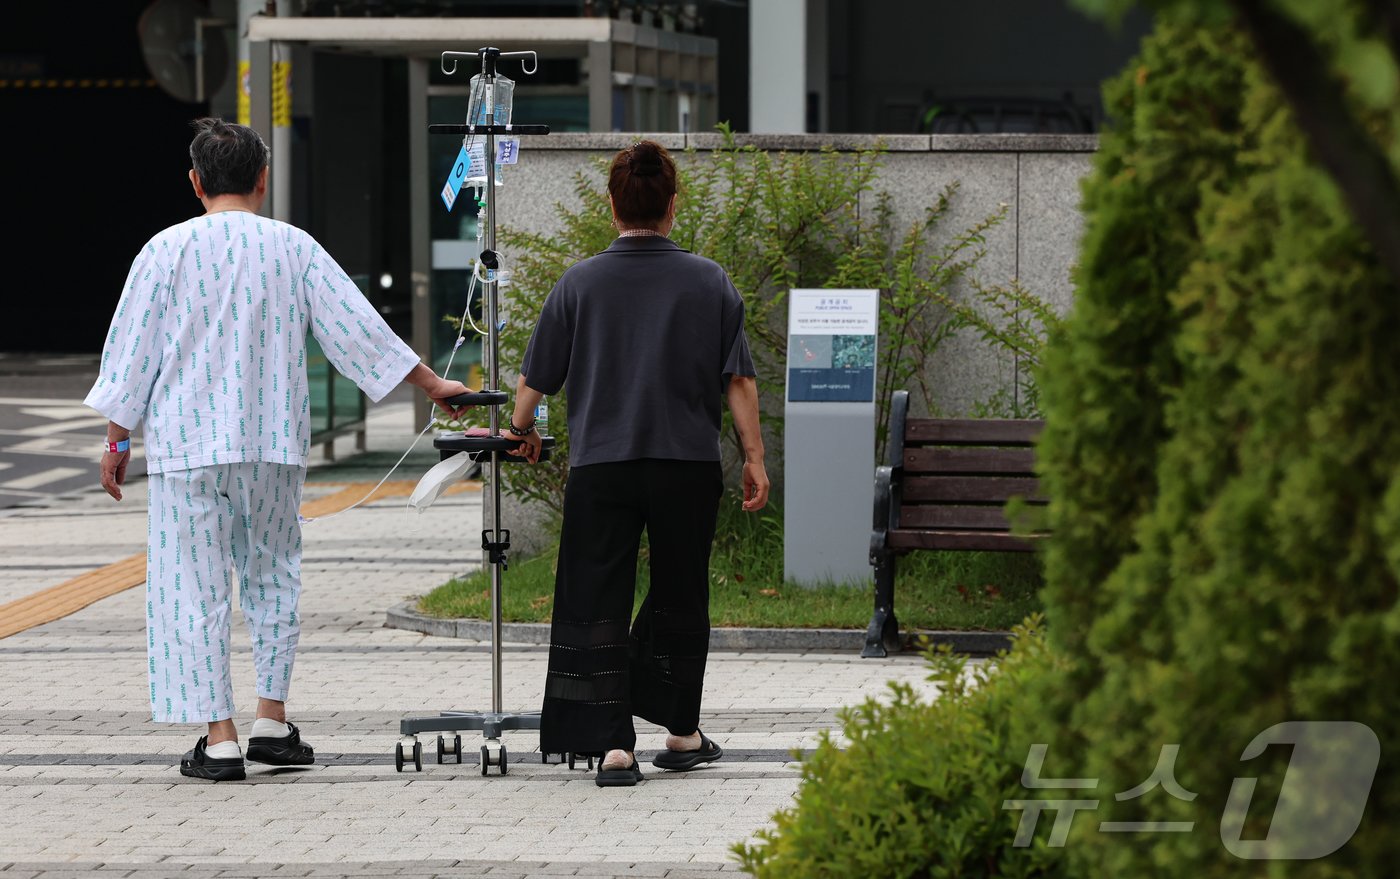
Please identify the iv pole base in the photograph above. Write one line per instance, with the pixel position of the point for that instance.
(492, 725)
(493, 751)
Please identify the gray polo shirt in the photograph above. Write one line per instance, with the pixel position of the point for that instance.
(644, 336)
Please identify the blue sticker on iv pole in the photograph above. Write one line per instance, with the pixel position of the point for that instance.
(454, 180)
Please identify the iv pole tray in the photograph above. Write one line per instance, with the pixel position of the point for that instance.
(481, 446)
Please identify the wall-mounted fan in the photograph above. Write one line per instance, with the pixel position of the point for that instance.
(184, 48)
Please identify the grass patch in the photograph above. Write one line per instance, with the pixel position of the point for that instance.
(933, 590)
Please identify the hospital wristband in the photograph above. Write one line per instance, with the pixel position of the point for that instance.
(121, 446)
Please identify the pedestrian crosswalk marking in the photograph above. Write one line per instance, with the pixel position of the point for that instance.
(41, 445)
(63, 446)
(36, 401)
(69, 411)
(73, 424)
(43, 477)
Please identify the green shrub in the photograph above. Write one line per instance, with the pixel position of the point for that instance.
(1222, 452)
(919, 790)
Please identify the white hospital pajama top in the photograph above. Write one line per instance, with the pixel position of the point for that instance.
(208, 344)
(206, 524)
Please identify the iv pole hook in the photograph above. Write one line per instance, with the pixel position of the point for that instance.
(454, 56)
(528, 71)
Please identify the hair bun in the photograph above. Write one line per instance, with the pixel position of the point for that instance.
(645, 159)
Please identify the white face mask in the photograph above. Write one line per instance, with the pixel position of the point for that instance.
(436, 480)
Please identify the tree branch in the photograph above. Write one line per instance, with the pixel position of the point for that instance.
(1354, 161)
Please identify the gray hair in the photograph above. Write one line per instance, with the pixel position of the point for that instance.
(227, 157)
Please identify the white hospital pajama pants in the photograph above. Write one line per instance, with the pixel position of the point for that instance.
(206, 526)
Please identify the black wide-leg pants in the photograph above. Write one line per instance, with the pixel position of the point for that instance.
(600, 676)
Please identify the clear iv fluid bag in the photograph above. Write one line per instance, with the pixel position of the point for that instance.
(504, 97)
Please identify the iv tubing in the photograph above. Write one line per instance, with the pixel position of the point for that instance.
(461, 337)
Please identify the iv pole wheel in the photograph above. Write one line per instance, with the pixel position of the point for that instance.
(494, 753)
(418, 756)
(398, 757)
(443, 750)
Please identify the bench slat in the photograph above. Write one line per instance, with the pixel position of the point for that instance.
(972, 431)
(952, 518)
(966, 540)
(970, 489)
(1002, 462)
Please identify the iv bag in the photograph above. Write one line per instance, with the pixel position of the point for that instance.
(504, 88)
(480, 101)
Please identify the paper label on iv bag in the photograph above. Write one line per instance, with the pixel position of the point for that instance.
(477, 171)
(507, 152)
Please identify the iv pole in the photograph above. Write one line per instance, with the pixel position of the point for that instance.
(495, 541)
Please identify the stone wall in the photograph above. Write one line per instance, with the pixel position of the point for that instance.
(1036, 176)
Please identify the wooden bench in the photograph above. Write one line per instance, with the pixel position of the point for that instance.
(944, 486)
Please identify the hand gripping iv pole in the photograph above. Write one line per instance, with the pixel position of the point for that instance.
(494, 540)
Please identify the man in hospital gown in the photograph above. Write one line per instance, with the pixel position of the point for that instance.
(208, 348)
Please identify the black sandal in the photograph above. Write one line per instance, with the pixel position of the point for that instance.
(684, 761)
(627, 777)
(288, 750)
(198, 764)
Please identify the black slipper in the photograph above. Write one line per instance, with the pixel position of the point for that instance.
(288, 750)
(681, 761)
(198, 764)
(619, 777)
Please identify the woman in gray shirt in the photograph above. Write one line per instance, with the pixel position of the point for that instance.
(647, 338)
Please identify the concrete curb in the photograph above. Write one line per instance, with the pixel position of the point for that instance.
(404, 616)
